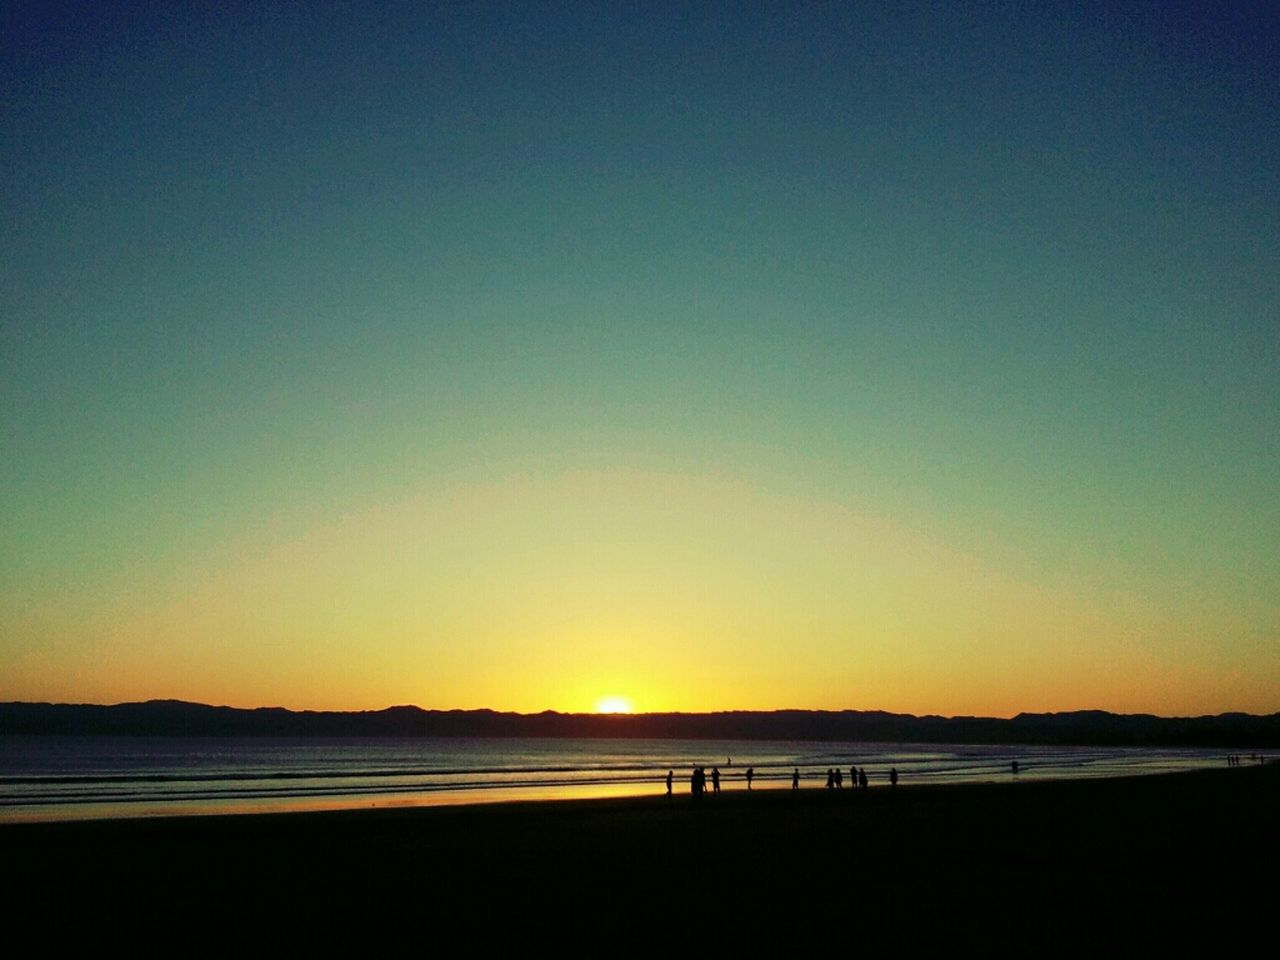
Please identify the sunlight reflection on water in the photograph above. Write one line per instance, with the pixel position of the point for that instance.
(57, 778)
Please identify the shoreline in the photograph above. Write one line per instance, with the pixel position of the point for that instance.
(195, 792)
(489, 796)
(499, 796)
(1065, 859)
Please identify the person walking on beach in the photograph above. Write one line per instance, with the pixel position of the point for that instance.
(831, 779)
(750, 774)
(839, 779)
(715, 779)
(862, 778)
(893, 776)
(670, 774)
(795, 779)
(853, 778)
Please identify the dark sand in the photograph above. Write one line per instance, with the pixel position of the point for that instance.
(1144, 861)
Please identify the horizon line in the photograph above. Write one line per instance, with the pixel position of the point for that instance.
(639, 713)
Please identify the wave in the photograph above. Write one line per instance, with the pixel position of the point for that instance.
(78, 776)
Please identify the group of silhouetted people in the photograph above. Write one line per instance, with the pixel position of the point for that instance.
(698, 781)
(835, 778)
(1235, 760)
(857, 776)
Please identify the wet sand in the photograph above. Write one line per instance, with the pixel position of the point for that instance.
(1012, 866)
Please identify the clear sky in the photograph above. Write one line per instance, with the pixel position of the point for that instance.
(918, 357)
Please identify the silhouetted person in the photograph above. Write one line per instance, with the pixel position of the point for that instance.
(670, 774)
(831, 779)
(1014, 766)
(839, 779)
(715, 779)
(893, 776)
(695, 787)
(795, 779)
(862, 778)
(853, 778)
(750, 774)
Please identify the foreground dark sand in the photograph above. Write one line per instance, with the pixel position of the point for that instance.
(1021, 866)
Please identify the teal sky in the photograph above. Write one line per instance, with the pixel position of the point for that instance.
(846, 331)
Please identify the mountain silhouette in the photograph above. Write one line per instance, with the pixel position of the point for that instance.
(1083, 727)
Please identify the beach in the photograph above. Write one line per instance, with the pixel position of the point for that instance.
(1128, 860)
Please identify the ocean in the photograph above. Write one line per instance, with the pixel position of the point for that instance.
(57, 778)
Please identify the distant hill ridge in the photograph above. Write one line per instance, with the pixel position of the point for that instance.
(1082, 727)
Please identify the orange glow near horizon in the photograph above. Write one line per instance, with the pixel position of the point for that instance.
(613, 705)
(690, 592)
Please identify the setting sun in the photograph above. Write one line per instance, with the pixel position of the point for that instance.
(613, 705)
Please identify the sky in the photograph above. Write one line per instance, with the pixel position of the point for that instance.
(918, 357)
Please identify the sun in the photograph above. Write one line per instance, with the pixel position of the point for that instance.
(613, 705)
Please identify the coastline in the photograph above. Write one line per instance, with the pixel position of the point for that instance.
(1046, 861)
(74, 778)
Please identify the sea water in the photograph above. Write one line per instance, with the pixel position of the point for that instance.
(51, 777)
